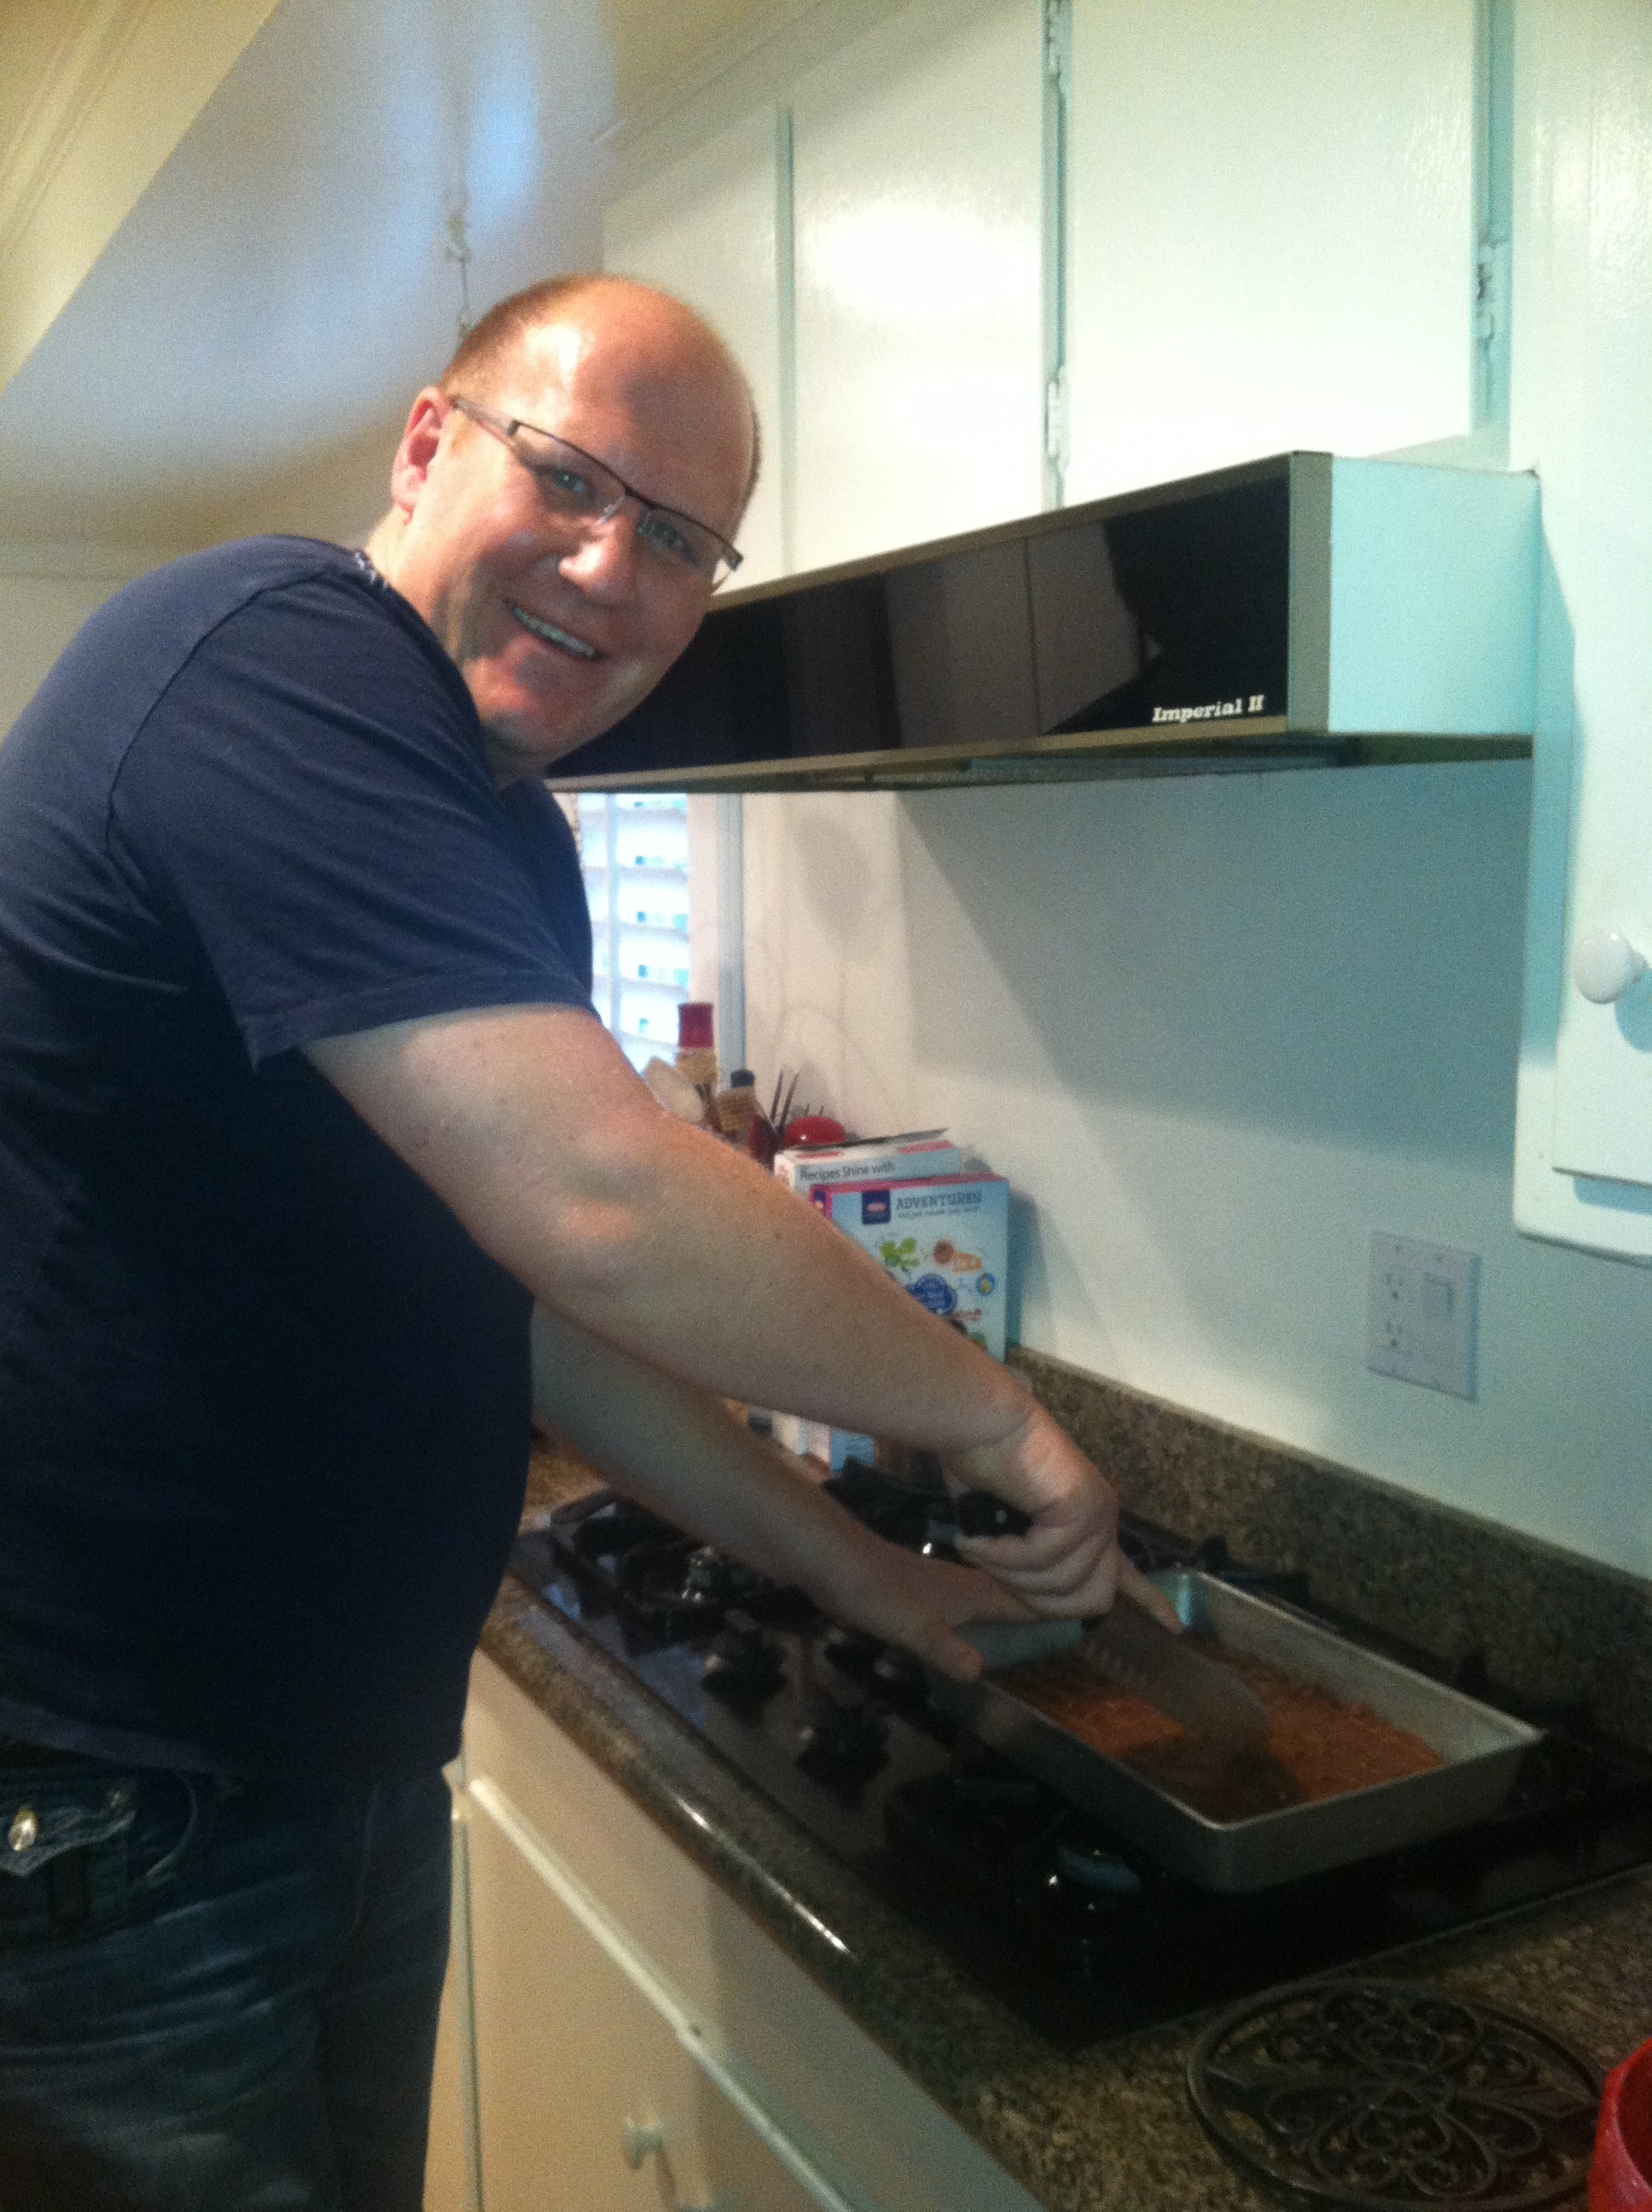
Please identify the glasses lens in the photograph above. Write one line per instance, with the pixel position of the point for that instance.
(573, 483)
(569, 480)
(682, 541)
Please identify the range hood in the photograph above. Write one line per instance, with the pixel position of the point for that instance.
(1302, 611)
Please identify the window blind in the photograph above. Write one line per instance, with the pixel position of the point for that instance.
(634, 855)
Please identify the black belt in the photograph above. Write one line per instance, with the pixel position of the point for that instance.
(14, 1752)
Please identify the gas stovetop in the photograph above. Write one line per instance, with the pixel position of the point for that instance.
(1078, 1931)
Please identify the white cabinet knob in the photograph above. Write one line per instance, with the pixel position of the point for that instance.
(640, 2140)
(1605, 964)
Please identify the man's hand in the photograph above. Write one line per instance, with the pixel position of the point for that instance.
(1068, 1562)
(920, 1604)
(682, 1452)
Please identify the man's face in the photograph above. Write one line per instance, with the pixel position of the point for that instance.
(559, 628)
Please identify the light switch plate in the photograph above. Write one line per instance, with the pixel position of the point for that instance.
(1422, 1313)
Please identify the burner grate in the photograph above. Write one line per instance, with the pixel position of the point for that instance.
(1084, 1936)
(1386, 2096)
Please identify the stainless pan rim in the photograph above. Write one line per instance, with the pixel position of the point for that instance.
(1481, 1749)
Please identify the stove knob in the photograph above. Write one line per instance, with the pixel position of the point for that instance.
(743, 1665)
(852, 1652)
(899, 1676)
(712, 1577)
(845, 1744)
(1103, 1873)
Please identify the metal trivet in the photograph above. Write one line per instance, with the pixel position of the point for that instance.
(1389, 2097)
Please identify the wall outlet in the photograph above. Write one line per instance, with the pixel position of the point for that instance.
(1422, 1310)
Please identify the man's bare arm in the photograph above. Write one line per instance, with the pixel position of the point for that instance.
(532, 1126)
(681, 1452)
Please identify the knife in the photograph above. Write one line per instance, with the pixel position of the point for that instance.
(1127, 1645)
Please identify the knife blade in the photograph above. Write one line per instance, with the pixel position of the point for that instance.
(1131, 1649)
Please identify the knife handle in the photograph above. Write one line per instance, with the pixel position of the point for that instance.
(980, 1514)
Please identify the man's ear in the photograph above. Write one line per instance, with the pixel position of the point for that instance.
(411, 465)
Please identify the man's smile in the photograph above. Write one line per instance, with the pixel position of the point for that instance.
(563, 639)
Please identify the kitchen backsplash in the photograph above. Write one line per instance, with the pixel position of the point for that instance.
(1550, 1625)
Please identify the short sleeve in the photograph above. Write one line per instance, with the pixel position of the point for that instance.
(309, 798)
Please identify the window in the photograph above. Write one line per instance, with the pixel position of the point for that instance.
(634, 855)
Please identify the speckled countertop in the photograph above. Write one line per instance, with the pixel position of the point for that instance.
(1107, 2129)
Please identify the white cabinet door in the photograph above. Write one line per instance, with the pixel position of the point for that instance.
(445, 2164)
(1582, 417)
(917, 170)
(450, 2175)
(709, 229)
(1272, 233)
(859, 2124)
(589, 2096)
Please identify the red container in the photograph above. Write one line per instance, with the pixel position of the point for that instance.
(813, 1129)
(1620, 2178)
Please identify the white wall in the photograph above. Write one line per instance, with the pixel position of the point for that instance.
(339, 494)
(1217, 1032)
(47, 592)
(50, 589)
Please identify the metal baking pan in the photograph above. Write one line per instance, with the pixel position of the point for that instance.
(1480, 1748)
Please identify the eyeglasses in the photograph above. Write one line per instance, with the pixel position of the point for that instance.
(575, 484)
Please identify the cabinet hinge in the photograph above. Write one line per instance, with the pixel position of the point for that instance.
(1057, 44)
(1493, 274)
(1055, 420)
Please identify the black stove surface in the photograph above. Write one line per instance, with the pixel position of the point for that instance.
(1078, 1931)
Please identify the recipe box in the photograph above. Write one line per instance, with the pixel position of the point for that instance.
(945, 1239)
(804, 1167)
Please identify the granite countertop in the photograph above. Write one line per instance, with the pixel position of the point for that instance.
(1099, 2130)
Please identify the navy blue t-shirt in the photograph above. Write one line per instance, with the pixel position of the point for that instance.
(264, 1404)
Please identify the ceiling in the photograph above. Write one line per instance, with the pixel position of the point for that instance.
(661, 51)
(275, 280)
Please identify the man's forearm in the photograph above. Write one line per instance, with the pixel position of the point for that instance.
(686, 1260)
(681, 1452)
(737, 1283)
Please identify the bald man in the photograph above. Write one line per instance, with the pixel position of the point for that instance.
(316, 1174)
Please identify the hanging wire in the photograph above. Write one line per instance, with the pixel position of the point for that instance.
(458, 249)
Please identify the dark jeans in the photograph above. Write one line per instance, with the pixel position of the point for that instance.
(216, 1996)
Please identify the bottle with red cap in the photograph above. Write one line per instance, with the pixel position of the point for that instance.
(697, 1050)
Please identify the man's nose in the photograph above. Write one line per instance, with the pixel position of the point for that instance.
(604, 563)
